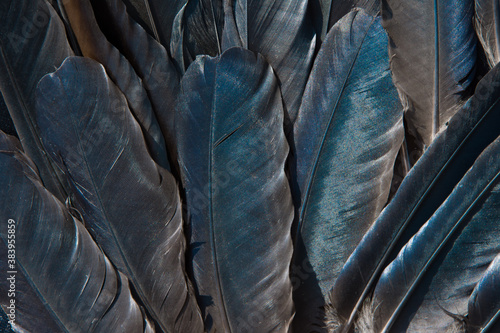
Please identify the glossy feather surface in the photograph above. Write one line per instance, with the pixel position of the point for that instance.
(78, 285)
(232, 152)
(124, 197)
(342, 182)
(487, 23)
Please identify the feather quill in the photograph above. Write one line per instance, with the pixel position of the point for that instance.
(79, 286)
(232, 152)
(94, 45)
(423, 190)
(484, 303)
(427, 287)
(433, 59)
(487, 23)
(32, 43)
(131, 204)
(347, 136)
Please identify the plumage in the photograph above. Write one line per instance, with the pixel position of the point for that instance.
(432, 46)
(348, 133)
(282, 32)
(427, 287)
(232, 152)
(484, 303)
(423, 190)
(30, 48)
(130, 204)
(78, 285)
(487, 24)
(94, 45)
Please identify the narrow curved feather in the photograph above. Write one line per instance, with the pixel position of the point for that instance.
(29, 313)
(347, 136)
(232, 152)
(197, 30)
(130, 203)
(282, 32)
(32, 43)
(94, 45)
(157, 16)
(487, 23)
(435, 273)
(433, 59)
(78, 285)
(421, 193)
(484, 302)
(150, 60)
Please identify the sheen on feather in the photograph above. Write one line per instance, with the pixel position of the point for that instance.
(427, 287)
(77, 284)
(487, 24)
(432, 46)
(32, 43)
(130, 203)
(232, 151)
(346, 138)
(423, 190)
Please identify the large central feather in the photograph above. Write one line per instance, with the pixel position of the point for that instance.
(232, 152)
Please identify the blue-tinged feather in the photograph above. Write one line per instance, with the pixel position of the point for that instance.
(484, 303)
(130, 204)
(427, 287)
(423, 190)
(55, 255)
(433, 59)
(28, 51)
(347, 136)
(232, 151)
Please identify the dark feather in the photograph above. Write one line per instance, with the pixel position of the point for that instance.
(424, 189)
(487, 22)
(232, 152)
(78, 285)
(131, 204)
(347, 136)
(433, 56)
(94, 45)
(484, 303)
(427, 287)
(151, 62)
(282, 32)
(32, 43)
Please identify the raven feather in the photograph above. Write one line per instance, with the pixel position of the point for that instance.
(81, 289)
(94, 45)
(427, 287)
(232, 152)
(487, 23)
(32, 43)
(348, 133)
(484, 303)
(131, 204)
(433, 60)
(424, 189)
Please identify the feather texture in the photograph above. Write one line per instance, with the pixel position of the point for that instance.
(484, 302)
(131, 204)
(433, 59)
(424, 189)
(79, 286)
(94, 45)
(438, 268)
(32, 43)
(487, 23)
(347, 136)
(232, 152)
(282, 32)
